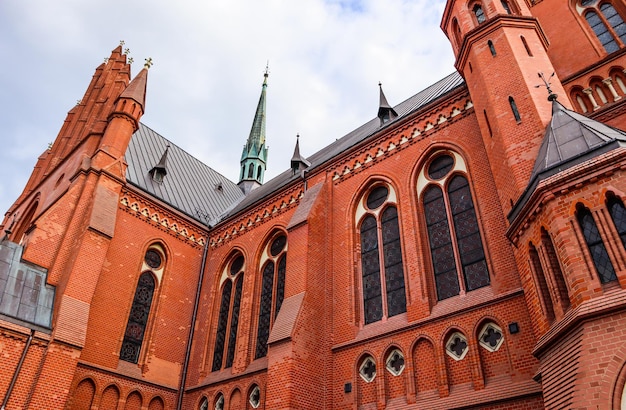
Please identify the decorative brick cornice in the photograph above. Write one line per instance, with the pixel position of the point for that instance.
(260, 214)
(159, 217)
(401, 137)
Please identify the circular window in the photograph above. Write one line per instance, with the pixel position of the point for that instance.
(440, 166)
(236, 265)
(377, 197)
(153, 259)
(278, 245)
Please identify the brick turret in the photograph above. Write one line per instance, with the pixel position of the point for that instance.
(500, 50)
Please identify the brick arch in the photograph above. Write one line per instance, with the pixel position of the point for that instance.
(580, 100)
(235, 400)
(600, 90)
(249, 389)
(156, 403)
(134, 401)
(84, 394)
(366, 392)
(614, 381)
(110, 397)
(618, 77)
(493, 364)
(457, 371)
(428, 379)
(395, 386)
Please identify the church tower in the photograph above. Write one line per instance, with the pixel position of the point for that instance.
(500, 51)
(254, 155)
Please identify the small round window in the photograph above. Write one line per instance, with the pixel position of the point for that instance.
(278, 245)
(440, 166)
(153, 259)
(377, 197)
(236, 265)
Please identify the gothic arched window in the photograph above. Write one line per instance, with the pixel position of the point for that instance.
(138, 318)
(228, 320)
(456, 247)
(274, 262)
(606, 23)
(514, 109)
(382, 271)
(618, 215)
(479, 13)
(250, 171)
(598, 252)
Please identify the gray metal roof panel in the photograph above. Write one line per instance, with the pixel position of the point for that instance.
(419, 100)
(189, 186)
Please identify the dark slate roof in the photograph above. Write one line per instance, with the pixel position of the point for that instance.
(419, 100)
(570, 139)
(189, 186)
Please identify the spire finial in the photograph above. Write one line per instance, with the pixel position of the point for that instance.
(546, 83)
(148, 62)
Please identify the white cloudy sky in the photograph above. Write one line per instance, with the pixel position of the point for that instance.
(326, 58)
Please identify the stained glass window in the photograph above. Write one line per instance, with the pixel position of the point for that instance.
(272, 291)
(220, 338)
(441, 248)
(618, 215)
(440, 166)
(138, 319)
(615, 20)
(599, 255)
(601, 31)
(383, 286)
(449, 215)
(234, 322)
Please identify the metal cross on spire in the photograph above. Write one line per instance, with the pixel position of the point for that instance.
(546, 83)
(148, 62)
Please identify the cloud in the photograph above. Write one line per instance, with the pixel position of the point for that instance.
(325, 60)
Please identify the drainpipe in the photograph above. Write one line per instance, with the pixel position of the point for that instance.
(181, 386)
(17, 370)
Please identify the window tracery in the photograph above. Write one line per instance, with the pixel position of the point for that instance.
(491, 337)
(274, 262)
(142, 302)
(228, 319)
(456, 249)
(456, 346)
(606, 23)
(597, 249)
(382, 271)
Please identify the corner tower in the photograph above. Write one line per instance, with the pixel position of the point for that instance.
(254, 155)
(500, 51)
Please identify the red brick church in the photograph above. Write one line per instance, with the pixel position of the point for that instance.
(465, 248)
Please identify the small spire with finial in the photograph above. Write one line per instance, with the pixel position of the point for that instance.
(148, 62)
(546, 83)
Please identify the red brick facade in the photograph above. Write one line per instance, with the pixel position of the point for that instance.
(339, 315)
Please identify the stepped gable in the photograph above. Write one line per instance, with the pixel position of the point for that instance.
(189, 186)
(570, 139)
(419, 100)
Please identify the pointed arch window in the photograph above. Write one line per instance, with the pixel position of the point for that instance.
(599, 254)
(479, 13)
(606, 23)
(250, 171)
(541, 283)
(138, 318)
(456, 248)
(492, 48)
(618, 215)
(228, 319)
(382, 271)
(274, 262)
(506, 7)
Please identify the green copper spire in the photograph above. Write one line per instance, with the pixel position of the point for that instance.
(254, 155)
